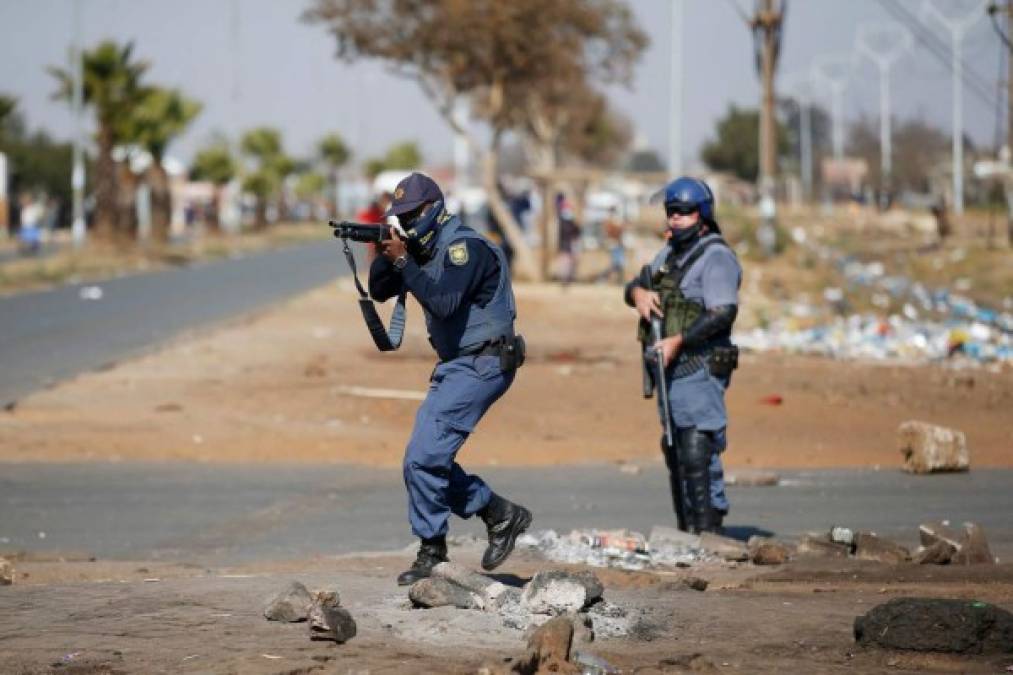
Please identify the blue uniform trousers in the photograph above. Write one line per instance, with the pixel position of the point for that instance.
(460, 392)
(698, 400)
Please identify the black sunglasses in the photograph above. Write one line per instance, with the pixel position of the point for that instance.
(681, 208)
(408, 219)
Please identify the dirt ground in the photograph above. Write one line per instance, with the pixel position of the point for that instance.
(122, 617)
(302, 382)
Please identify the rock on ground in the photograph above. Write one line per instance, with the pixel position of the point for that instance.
(819, 547)
(724, 547)
(928, 448)
(974, 548)
(6, 572)
(930, 533)
(939, 553)
(765, 551)
(439, 592)
(937, 625)
(559, 592)
(491, 593)
(292, 604)
(328, 620)
(868, 546)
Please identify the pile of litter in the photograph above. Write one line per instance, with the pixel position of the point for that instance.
(628, 550)
(932, 325)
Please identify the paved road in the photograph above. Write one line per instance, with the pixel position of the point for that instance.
(52, 335)
(229, 514)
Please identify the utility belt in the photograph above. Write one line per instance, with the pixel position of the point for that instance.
(511, 351)
(721, 361)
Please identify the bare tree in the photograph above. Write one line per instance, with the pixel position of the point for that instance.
(500, 56)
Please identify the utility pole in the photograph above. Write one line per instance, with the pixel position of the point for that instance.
(883, 44)
(675, 93)
(766, 24)
(77, 179)
(957, 26)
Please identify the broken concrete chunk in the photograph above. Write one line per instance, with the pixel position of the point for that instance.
(492, 593)
(868, 546)
(670, 536)
(557, 592)
(929, 448)
(930, 533)
(818, 547)
(765, 551)
(438, 592)
(974, 548)
(937, 625)
(292, 604)
(724, 547)
(328, 620)
(6, 572)
(695, 583)
(939, 553)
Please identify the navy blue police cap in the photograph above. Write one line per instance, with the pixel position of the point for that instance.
(412, 192)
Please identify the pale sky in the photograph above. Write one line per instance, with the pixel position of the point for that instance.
(252, 62)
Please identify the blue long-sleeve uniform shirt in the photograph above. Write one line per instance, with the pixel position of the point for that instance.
(473, 282)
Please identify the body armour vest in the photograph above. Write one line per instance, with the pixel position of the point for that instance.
(470, 325)
(679, 311)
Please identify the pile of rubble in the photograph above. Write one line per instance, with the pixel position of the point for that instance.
(665, 547)
(322, 610)
(940, 545)
(578, 595)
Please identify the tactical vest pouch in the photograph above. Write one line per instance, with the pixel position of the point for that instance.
(723, 360)
(512, 352)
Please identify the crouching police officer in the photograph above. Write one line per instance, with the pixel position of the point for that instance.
(692, 284)
(462, 282)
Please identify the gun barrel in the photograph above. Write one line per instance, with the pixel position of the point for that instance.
(361, 232)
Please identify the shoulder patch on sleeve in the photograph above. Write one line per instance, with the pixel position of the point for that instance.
(458, 253)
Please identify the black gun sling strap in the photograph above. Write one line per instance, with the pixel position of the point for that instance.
(386, 340)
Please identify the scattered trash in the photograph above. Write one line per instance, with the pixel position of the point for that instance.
(90, 293)
(772, 399)
(630, 469)
(937, 625)
(842, 535)
(929, 448)
(42, 535)
(152, 580)
(272, 656)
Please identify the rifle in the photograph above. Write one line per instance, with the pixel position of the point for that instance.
(361, 232)
(386, 340)
(654, 379)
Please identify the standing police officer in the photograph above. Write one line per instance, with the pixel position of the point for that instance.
(692, 284)
(462, 282)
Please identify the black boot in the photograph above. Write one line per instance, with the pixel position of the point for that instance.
(695, 449)
(431, 553)
(504, 521)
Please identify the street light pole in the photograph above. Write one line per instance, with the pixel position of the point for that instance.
(957, 26)
(77, 178)
(897, 40)
(675, 93)
(833, 71)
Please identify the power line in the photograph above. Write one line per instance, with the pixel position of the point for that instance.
(937, 48)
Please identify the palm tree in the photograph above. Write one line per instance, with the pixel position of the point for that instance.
(112, 87)
(263, 146)
(7, 104)
(335, 154)
(161, 115)
(217, 165)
